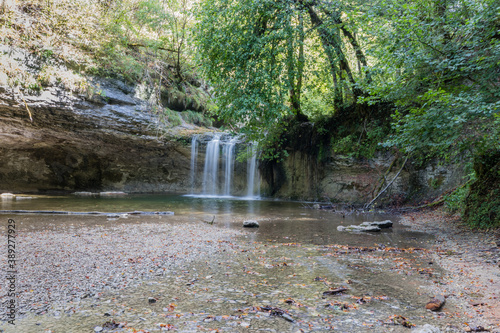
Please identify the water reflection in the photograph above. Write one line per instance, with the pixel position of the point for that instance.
(280, 221)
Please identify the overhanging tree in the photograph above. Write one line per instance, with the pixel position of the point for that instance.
(259, 56)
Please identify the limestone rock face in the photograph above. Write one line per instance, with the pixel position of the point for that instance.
(303, 176)
(76, 143)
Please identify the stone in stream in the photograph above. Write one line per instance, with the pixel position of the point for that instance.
(380, 224)
(335, 291)
(151, 300)
(358, 228)
(23, 198)
(98, 329)
(436, 303)
(7, 196)
(251, 224)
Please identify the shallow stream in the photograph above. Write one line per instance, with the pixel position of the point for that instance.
(272, 278)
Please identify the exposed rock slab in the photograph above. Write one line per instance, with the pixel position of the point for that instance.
(380, 224)
(358, 228)
(250, 224)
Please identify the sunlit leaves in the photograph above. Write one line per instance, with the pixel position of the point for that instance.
(244, 55)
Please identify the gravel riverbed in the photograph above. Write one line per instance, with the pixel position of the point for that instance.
(154, 273)
(59, 266)
(472, 261)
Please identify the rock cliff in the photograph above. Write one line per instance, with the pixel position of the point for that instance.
(73, 142)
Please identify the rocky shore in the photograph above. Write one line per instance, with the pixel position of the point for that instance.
(472, 259)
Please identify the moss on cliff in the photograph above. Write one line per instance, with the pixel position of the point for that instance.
(482, 205)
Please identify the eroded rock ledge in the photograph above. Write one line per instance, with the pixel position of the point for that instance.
(80, 143)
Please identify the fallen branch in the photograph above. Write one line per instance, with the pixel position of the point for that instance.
(26, 105)
(158, 47)
(388, 185)
(384, 176)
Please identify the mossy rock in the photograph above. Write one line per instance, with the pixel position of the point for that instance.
(482, 205)
(184, 98)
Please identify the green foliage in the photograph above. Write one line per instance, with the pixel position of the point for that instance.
(34, 88)
(360, 142)
(455, 201)
(482, 204)
(169, 118)
(196, 118)
(272, 61)
(438, 61)
(244, 66)
(486, 210)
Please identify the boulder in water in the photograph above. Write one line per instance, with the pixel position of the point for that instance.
(251, 224)
(379, 224)
(358, 228)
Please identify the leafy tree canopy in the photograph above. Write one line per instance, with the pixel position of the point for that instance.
(439, 62)
(436, 61)
(270, 61)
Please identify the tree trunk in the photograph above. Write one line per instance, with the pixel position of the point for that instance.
(331, 42)
(360, 56)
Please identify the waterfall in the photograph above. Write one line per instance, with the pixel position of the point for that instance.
(252, 171)
(194, 154)
(210, 173)
(228, 154)
(222, 174)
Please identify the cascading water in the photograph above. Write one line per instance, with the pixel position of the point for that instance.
(220, 164)
(252, 171)
(211, 170)
(228, 153)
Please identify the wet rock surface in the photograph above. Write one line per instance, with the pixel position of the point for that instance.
(367, 226)
(380, 224)
(250, 224)
(359, 228)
